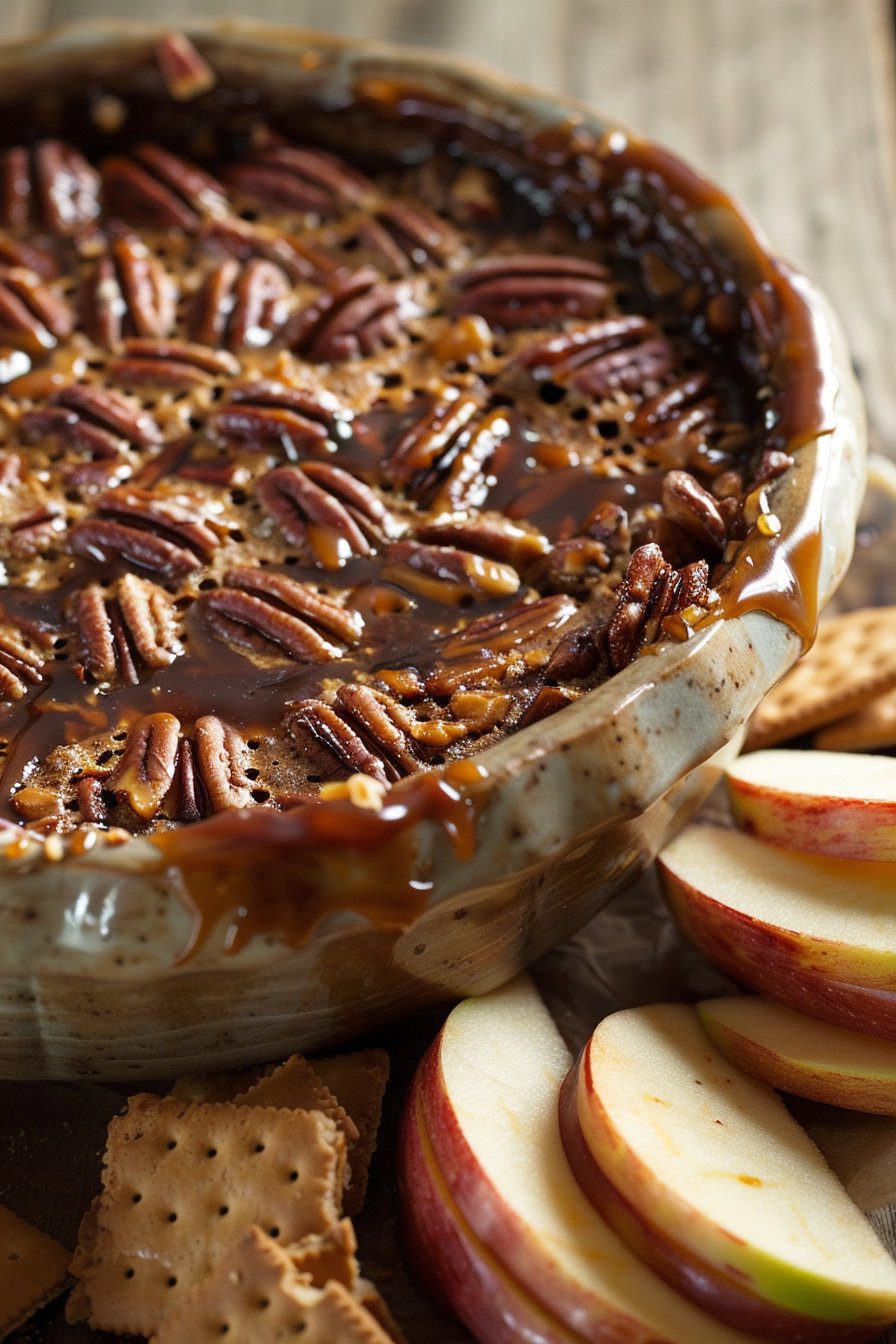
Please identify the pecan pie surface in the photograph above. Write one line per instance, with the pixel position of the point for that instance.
(312, 467)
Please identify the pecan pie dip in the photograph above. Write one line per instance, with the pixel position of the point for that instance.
(322, 456)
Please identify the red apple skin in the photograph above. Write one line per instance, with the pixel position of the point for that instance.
(458, 1273)
(777, 963)
(721, 1295)
(853, 828)
(493, 1221)
(851, 1093)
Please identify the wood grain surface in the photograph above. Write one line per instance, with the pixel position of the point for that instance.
(789, 103)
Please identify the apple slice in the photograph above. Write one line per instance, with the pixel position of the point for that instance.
(459, 1271)
(819, 802)
(817, 934)
(799, 1055)
(710, 1178)
(486, 1097)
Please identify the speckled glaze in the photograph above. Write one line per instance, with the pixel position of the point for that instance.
(569, 811)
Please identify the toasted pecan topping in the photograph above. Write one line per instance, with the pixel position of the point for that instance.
(353, 474)
(616, 354)
(51, 185)
(533, 291)
(125, 629)
(291, 178)
(407, 236)
(241, 306)
(180, 365)
(358, 315)
(32, 316)
(127, 292)
(257, 610)
(271, 413)
(154, 186)
(326, 511)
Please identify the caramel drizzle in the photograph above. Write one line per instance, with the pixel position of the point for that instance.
(283, 872)
(316, 860)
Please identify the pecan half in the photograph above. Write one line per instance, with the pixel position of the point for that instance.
(325, 511)
(240, 306)
(616, 354)
(51, 184)
(685, 406)
(30, 256)
(407, 236)
(651, 591)
(239, 238)
(265, 413)
(179, 365)
(166, 536)
(365, 730)
(23, 653)
(32, 317)
(446, 574)
(37, 529)
(290, 178)
(356, 316)
(259, 610)
(690, 507)
(95, 419)
(492, 534)
(222, 758)
(127, 291)
(441, 461)
(154, 186)
(430, 438)
(185, 72)
(125, 629)
(513, 641)
(145, 770)
(533, 291)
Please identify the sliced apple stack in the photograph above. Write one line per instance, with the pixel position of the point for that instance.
(818, 802)
(495, 1223)
(816, 934)
(704, 1173)
(797, 1054)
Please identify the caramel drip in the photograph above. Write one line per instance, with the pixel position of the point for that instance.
(281, 873)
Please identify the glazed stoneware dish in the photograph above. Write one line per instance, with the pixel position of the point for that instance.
(409, 485)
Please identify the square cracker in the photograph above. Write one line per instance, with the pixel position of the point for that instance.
(180, 1184)
(870, 729)
(359, 1081)
(296, 1085)
(852, 660)
(256, 1295)
(33, 1270)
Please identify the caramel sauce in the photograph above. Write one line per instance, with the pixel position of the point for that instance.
(267, 872)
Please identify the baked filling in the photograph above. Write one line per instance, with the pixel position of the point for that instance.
(322, 463)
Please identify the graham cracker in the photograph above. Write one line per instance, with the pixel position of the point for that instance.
(33, 1270)
(359, 1081)
(181, 1184)
(296, 1085)
(328, 1255)
(871, 728)
(222, 1086)
(852, 661)
(255, 1295)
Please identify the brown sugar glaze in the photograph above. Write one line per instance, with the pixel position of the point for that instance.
(552, 460)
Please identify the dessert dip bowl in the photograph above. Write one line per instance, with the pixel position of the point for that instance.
(409, 485)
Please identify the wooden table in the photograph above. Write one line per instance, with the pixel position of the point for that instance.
(789, 103)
